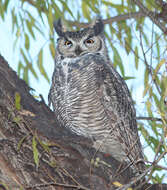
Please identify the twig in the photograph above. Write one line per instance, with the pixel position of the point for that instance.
(125, 187)
(149, 118)
(148, 66)
(154, 165)
(157, 165)
(151, 15)
(57, 184)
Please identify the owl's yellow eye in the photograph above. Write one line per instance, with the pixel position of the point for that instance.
(89, 41)
(67, 43)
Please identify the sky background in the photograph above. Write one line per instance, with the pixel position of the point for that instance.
(41, 86)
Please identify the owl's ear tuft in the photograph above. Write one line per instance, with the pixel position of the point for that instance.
(58, 27)
(98, 26)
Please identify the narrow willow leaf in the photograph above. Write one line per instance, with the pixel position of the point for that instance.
(24, 56)
(136, 57)
(5, 6)
(127, 46)
(92, 6)
(85, 10)
(67, 8)
(164, 85)
(128, 78)
(144, 132)
(20, 67)
(146, 83)
(30, 67)
(27, 42)
(157, 45)
(35, 151)
(21, 142)
(17, 101)
(18, 33)
(119, 7)
(44, 145)
(2, 12)
(154, 141)
(157, 102)
(50, 18)
(128, 38)
(40, 66)
(149, 107)
(52, 49)
(118, 60)
(29, 26)
(159, 65)
(25, 75)
(58, 12)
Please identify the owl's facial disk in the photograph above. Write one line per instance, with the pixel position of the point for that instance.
(74, 47)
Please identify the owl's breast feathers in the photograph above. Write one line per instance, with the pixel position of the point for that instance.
(90, 97)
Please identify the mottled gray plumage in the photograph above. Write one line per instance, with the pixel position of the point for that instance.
(90, 97)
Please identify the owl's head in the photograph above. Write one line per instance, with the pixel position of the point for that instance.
(78, 43)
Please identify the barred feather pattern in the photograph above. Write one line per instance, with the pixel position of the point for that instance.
(90, 97)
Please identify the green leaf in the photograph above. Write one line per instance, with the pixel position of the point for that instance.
(85, 10)
(27, 42)
(154, 141)
(35, 151)
(29, 26)
(159, 65)
(118, 60)
(28, 65)
(146, 84)
(21, 142)
(17, 101)
(18, 33)
(2, 12)
(136, 57)
(20, 67)
(52, 49)
(67, 8)
(44, 145)
(24, 56)
(157, 102)
(157, 45)
(128, 78)
(149, 107)
(58, 12)
(5, 6)
(25, 75)
(40, 66)
(50, 18)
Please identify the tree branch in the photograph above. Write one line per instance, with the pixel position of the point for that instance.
(108, 20)
(151, 15)
(149, 118)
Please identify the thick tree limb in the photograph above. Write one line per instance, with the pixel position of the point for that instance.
(64, 161)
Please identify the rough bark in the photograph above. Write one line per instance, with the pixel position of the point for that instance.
(66, 161)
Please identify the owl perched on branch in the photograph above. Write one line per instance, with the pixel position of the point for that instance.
(90, 97)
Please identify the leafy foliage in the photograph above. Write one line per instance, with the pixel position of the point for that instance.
(137, 38)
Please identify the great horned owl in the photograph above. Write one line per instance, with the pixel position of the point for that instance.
(90, 97)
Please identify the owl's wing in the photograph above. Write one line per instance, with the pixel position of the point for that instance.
(116, 95)
(118, 105)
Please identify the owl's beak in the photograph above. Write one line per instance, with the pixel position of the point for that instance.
(78, 50)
